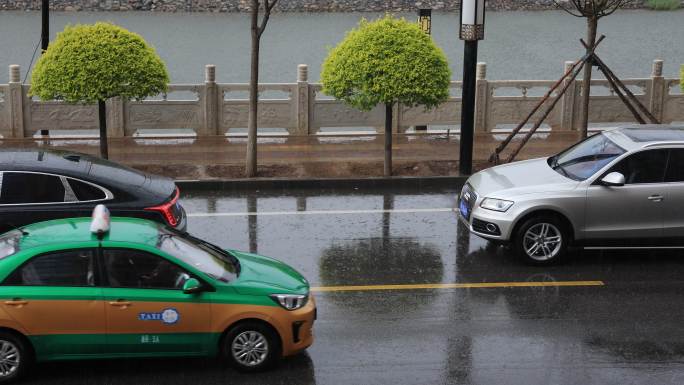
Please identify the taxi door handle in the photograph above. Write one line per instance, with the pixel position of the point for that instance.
(16, 302)
(655, 198)
(120, 303)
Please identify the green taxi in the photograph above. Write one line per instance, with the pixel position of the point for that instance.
(126, 287)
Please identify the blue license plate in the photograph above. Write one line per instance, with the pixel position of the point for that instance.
(464, 209)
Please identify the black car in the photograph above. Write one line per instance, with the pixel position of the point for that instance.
(38, 185)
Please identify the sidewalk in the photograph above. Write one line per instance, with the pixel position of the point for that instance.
(301, 157)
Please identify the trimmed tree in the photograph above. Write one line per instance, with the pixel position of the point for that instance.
(388, 61)
(93, 63)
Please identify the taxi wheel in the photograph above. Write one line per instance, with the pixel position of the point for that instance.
(15, 357)
(251, 347)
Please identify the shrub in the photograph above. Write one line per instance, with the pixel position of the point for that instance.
(664, 5)
(91, 63)
(388, 61)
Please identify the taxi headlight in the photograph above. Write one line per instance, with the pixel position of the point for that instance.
(290, 301)
(496, 204)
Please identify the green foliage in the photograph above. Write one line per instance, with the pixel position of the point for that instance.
(387, 61)
(664, 5)
(87, 63)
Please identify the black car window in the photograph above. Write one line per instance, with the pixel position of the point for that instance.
(137, 269)
(643, 167)
(675, 167)
(24, 187)
(64, 268)
(86, 191)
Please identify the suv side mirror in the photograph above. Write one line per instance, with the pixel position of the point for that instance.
(192, 286)
(614, 179)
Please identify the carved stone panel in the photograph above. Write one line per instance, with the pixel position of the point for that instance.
(177, 115)
(338, 114)
(271, 115)
(508, 110)
(60, 116)
(609, 110)
(447, 113)
(674, 109)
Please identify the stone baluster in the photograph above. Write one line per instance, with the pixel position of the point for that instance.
(210, 102)
(481, 98)
(303, 100)
(568, 101)
(16, 102)
(659, 90)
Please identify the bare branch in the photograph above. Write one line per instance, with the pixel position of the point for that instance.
(566, 9)
(268, 7)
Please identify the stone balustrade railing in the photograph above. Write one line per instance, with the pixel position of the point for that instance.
(302, 109)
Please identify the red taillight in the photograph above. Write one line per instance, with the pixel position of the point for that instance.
(166, 209)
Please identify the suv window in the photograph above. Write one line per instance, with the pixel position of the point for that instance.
(140, 270)
(643, 167)
(86, 191)
(24, 187)
(675, 167)
(64, 268)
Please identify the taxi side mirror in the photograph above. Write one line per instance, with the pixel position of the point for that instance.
(192, 286)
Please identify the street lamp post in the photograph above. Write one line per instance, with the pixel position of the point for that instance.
(425, 24)
(471, 31)
(44, 37)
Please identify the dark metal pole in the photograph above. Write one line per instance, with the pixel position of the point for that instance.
(45, 31)
(468, 107)
(45, 37)
(102, 115)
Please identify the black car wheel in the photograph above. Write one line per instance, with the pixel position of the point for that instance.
(252, 347)
(541, 240)
(15, 357)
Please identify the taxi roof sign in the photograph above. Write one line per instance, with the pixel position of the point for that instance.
(101, 221)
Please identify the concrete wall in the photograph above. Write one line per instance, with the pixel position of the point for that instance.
(300, 108)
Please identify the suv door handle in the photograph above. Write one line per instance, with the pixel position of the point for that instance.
(16, 302)
(655, 198)
(120, 303)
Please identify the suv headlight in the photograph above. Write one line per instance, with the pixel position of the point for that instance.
(496, 204)
(290, 301)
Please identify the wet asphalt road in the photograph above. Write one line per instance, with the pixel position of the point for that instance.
(628, 331)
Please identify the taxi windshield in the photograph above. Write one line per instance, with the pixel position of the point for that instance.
(9, 243)
(199, 254)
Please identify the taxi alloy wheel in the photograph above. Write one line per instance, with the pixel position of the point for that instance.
(13, 357)
(251, 347)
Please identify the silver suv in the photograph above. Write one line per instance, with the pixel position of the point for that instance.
(622, 188)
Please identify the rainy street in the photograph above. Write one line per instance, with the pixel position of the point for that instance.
(431, 303)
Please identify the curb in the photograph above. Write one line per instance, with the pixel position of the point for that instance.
(238, 185)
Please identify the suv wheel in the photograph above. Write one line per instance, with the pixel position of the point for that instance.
(251, 347)
(542, 240)
(14, 357)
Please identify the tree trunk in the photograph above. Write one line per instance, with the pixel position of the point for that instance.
(388, 139)
(251, 161)
(102, 116)
(592, 26)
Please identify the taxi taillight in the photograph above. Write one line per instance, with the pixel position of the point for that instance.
(166, 209)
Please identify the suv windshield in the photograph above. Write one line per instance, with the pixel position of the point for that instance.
(584, 159)
(9, 243)
(199, 254)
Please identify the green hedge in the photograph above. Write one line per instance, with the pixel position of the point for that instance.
(664, 5)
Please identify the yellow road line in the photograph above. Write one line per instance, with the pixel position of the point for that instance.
(481, 285)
